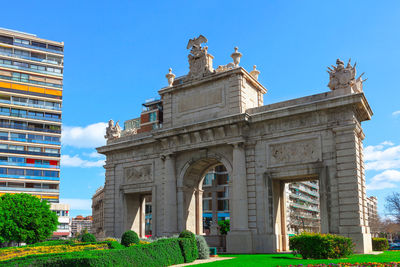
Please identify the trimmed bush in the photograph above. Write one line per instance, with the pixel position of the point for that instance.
(380, 244)
(88, 237)
(202, 247)
(321, 246)
(189, 249)
(164, 252)
(224, 227)
(129, 237)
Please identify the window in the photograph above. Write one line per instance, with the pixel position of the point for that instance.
(36, 67)
(3, 146)
(16, 171)
(34, 149)
(16, 159)
(21, 53)
(17, 136)
(3, 136)
(20, 99)
(6, 39)
(38, 55)
(54, 47)
(3, 170)
(50, 173)
(52, 150)
(42, 45)
(153, 116)
(19, 148)
(34, 172)
(5, 50)
(3, 159)
(58, 60)
(18, 112)
(21, 41)
(4, 110)
(21, 64)
(6, 62)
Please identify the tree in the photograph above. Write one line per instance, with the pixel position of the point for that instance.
(24, 218)
(393, 205)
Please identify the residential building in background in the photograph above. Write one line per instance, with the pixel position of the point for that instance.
(64, 224)
(98, 212)
(31, 84)
(150, 119)
(80, 223)
(374, 222)
(302, 207)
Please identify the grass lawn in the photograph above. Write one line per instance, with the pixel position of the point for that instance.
(288, 259)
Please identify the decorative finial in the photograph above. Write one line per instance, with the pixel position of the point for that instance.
(170, 77)
(255, 72)
(236, 56)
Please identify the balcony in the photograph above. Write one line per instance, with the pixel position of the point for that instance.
(30, 81)
(15, 126)
(29, 116)
(29, 177)
(29, 69)
(305, 198)
(30, 58)
(301, 206)
(304, 189)
(2, 188)
(29, 105)
(30, 140)
(23, 152)
(6, 163)
(39, 48)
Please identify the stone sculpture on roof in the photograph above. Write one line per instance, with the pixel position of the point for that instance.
(200, 62)
(113, 131)
(341, 77)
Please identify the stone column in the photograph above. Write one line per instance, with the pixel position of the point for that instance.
(170, 214)
(199, 211)
(214, 204)
(239, 216)
(239, 238)
(142, 217)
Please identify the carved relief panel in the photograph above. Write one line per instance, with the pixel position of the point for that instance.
(295, 151)
(138, 174)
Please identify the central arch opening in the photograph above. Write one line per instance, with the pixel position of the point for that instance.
(199, 182)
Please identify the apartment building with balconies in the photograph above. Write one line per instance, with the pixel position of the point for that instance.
(31, 84)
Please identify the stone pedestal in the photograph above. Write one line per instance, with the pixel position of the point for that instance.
(239, 241)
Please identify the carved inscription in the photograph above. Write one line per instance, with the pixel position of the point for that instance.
(138, 174)
(295, 152)
(201, 99)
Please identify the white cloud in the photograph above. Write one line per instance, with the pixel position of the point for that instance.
(386, 179)
(94, 155)
(77, 203)
(83, 137)
(382, 157)
(396, 113)
(76, 161)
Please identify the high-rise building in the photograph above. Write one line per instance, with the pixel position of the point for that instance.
(31, 83)
(80, 223)
(302, 207)
(64, 225)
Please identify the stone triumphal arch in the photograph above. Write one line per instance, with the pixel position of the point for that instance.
(216, 116)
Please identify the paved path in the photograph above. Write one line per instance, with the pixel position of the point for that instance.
(211, 259)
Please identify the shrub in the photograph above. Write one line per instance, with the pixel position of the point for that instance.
(188, 245)
(224, 227)
(164, 252)
(380, 244)
(129, 237)
(321, 246)
(202, 247)
(88, 237)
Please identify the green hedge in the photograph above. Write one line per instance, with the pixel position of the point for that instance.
(380, 244)
(321, 246)
(189, 246)
(164, 252)
(88, 237)
(129, 237)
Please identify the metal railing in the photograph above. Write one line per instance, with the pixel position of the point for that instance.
(29, 105)
(6, 163)
(29, 81)
(30, 69)
(29, 116)
(39, 48)
(28, 189)
(30, 177)
(15, 126)
(43, 60)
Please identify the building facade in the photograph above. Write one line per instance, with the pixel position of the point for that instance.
(98, 213)
(373, 218)
(80, 223)
(302, 205)
(64, 223)
(31, 83)
(217, 116)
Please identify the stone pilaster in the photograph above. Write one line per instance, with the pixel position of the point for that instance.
(351, 187)
(170, 203)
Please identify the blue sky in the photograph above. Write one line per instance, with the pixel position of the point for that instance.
(118, 52)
